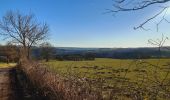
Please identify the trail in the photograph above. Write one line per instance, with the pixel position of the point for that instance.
(7, 91)
(13, 86)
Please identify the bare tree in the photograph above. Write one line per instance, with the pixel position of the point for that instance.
(23, 29)
(136, 5)
(46, 51)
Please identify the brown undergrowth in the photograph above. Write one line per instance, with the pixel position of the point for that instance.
(56, 87)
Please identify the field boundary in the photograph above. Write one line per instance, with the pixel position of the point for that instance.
(56, 87)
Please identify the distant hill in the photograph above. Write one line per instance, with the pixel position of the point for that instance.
(117, 53)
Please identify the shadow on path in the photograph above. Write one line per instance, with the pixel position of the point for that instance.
(15, 86)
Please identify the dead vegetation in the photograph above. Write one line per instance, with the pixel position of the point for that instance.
(56, 87)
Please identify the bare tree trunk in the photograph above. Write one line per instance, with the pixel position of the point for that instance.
(7, 58)
(28, 53)
(47, 58)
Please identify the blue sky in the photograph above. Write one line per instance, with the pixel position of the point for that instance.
(81, 23)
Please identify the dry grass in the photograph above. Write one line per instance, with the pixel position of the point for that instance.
(57, 87)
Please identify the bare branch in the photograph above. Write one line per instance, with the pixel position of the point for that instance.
(141, 25)
(136, 5)
(141, 4)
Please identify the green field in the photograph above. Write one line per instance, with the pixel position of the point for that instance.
(106, 67)
(144, 73)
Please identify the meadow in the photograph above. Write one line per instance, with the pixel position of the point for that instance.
(147, 78)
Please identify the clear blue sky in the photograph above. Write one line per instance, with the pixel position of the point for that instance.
(81, 23)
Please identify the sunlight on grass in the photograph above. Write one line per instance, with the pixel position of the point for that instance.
(108, 69)
(5, 65)
(123, 74)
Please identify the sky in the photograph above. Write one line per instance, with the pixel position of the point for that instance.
(84, 23)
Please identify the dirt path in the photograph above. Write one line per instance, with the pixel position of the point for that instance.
(13, 86)
(10, 87)
(6, 84)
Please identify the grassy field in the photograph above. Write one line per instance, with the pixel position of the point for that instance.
(117, 73)
(106, 67)
(5, 65)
